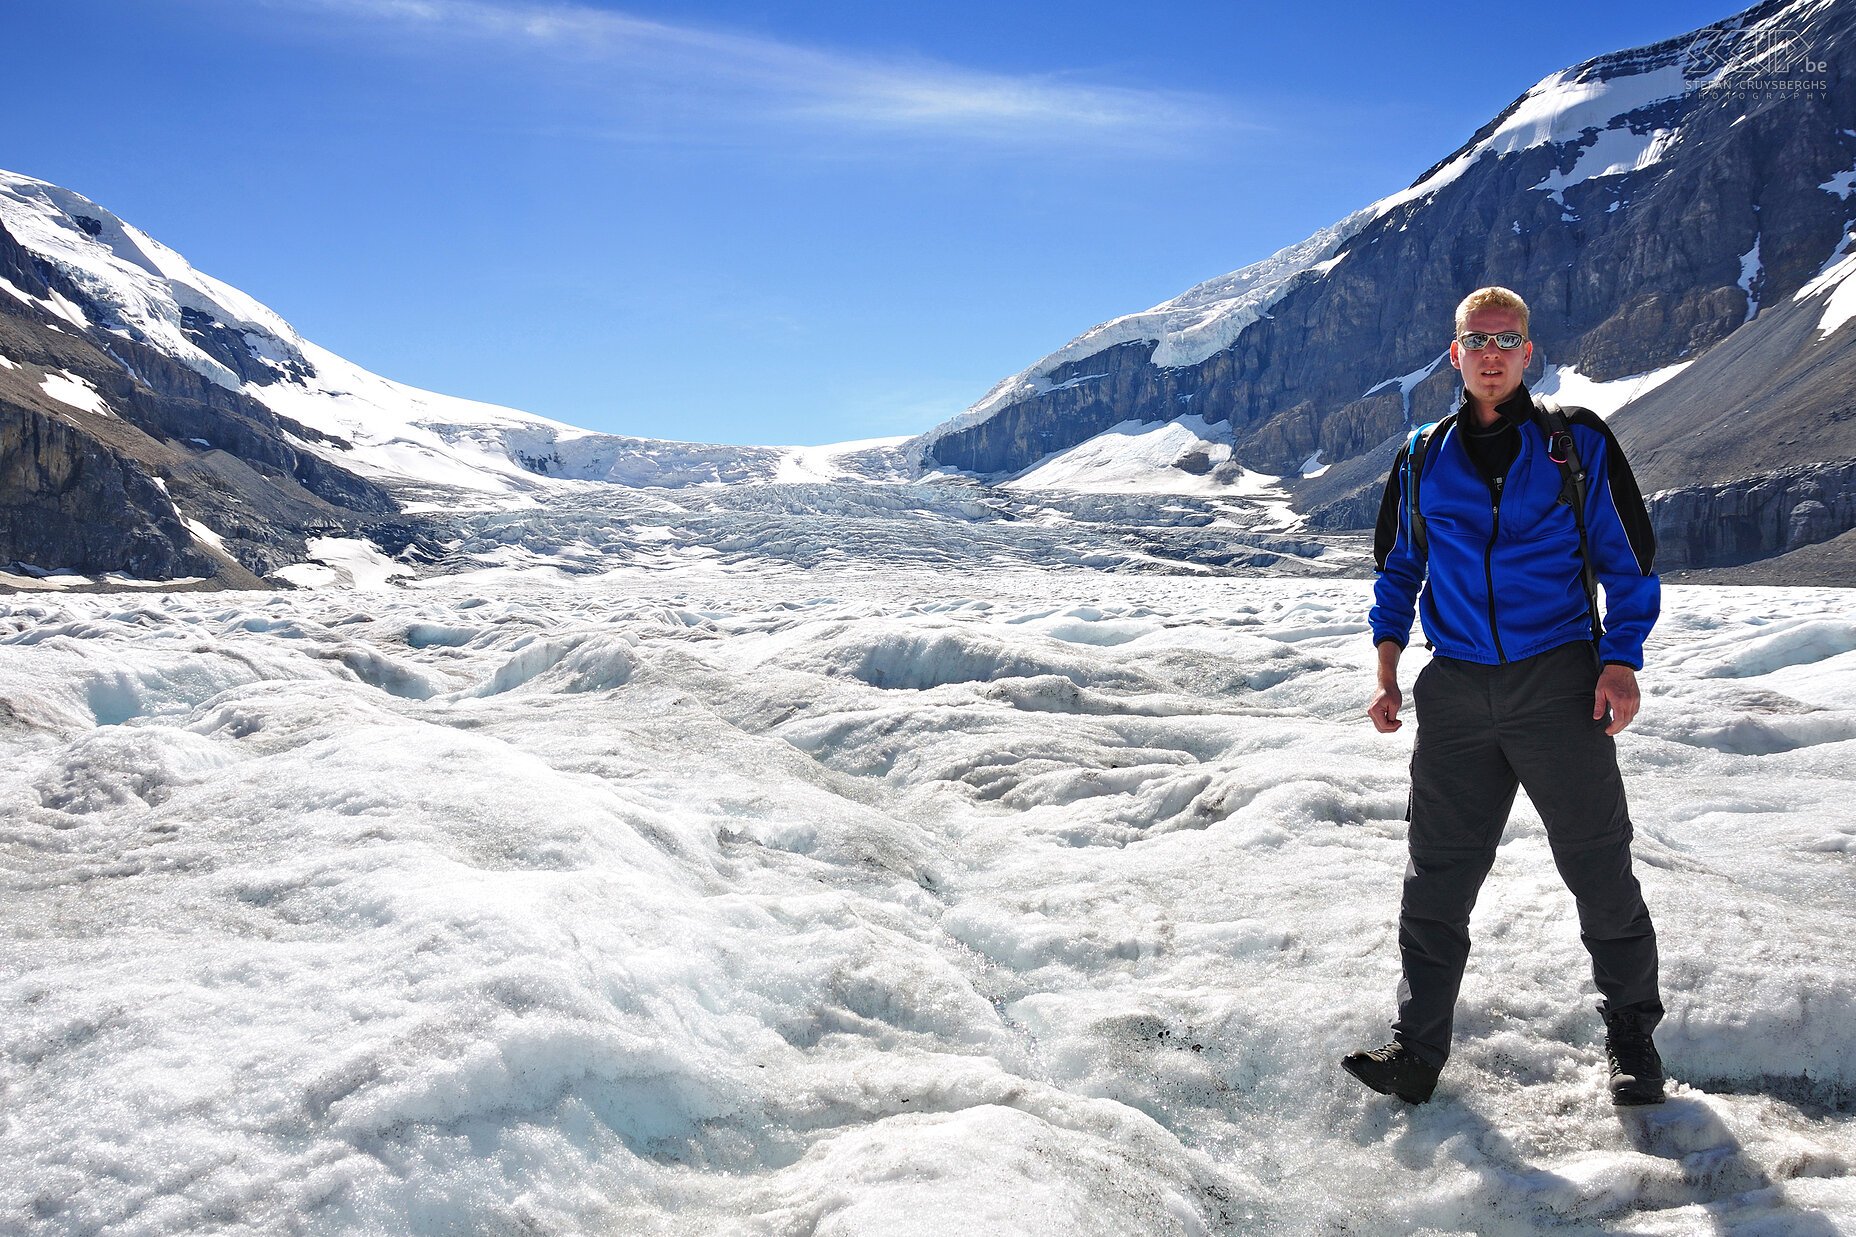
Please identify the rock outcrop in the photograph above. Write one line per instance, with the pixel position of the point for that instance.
(1728, 524)
(70, 499)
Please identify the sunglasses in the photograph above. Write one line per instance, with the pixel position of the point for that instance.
(1507, 341)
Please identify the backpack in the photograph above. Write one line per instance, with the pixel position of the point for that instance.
(1560, 449)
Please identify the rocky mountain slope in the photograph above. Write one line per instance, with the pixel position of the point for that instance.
(1678, 216)
(114, 458)
(159, 424)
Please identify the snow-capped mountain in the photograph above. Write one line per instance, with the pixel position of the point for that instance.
(163, 424)
(1650, 204)
(172, 426)
(1680, 216)
(126, 283)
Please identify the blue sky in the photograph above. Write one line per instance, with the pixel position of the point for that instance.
(747, 222)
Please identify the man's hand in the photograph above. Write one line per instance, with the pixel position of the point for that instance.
(1383, 708)
(1617, 691)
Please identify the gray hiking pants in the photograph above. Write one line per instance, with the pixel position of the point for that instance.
(1483, 730)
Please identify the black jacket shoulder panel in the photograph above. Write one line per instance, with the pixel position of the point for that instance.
(1625, 495)
(1385, 532)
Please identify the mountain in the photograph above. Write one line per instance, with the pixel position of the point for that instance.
(1679, 218)
(161, 424)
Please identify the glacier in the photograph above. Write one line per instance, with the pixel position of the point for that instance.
(880, 897)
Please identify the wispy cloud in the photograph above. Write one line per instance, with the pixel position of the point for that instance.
(701, 75)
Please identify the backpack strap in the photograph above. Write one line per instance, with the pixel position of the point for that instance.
(1562, 450)
(1415, 446)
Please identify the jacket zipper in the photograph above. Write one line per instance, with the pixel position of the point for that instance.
(1488, 562)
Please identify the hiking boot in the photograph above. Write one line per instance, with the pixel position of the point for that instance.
(1636, 1069)
(1393, 1070)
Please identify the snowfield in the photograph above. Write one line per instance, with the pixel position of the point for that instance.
(901, 900)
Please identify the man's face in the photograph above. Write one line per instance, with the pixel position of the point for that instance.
(1489, 374)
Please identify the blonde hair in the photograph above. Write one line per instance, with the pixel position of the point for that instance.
(1490, 298)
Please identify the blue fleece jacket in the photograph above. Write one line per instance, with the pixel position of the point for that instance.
(1503, 580)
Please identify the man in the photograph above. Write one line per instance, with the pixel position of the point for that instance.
(1518, 690)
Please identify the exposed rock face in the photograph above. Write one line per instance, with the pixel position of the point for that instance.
(72, 500)
(99, 485)
(1646, 233)
(1083, 400)
(1727, 524)
(232, 350)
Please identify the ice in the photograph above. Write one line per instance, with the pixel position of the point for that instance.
(949, 522)
(1136, 457)
(858, 900)
(351, 561)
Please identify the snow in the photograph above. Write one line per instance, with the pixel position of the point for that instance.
(343, 561)
(198, 529)
(1584, 105)
(1407, 383)
(1751, 272)
(145, 286)
(1568, 386)
(828, 463)
(60, 580)
(69, 388)
(6, 363)
(57, 304)
(1135, 457)
(872, 901)
(1834, 284)
(1198, 323)
(1613, 152)
(142, 282)
(1587, 105)
(398, 432)
(1077, 381)
(1840, 306)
